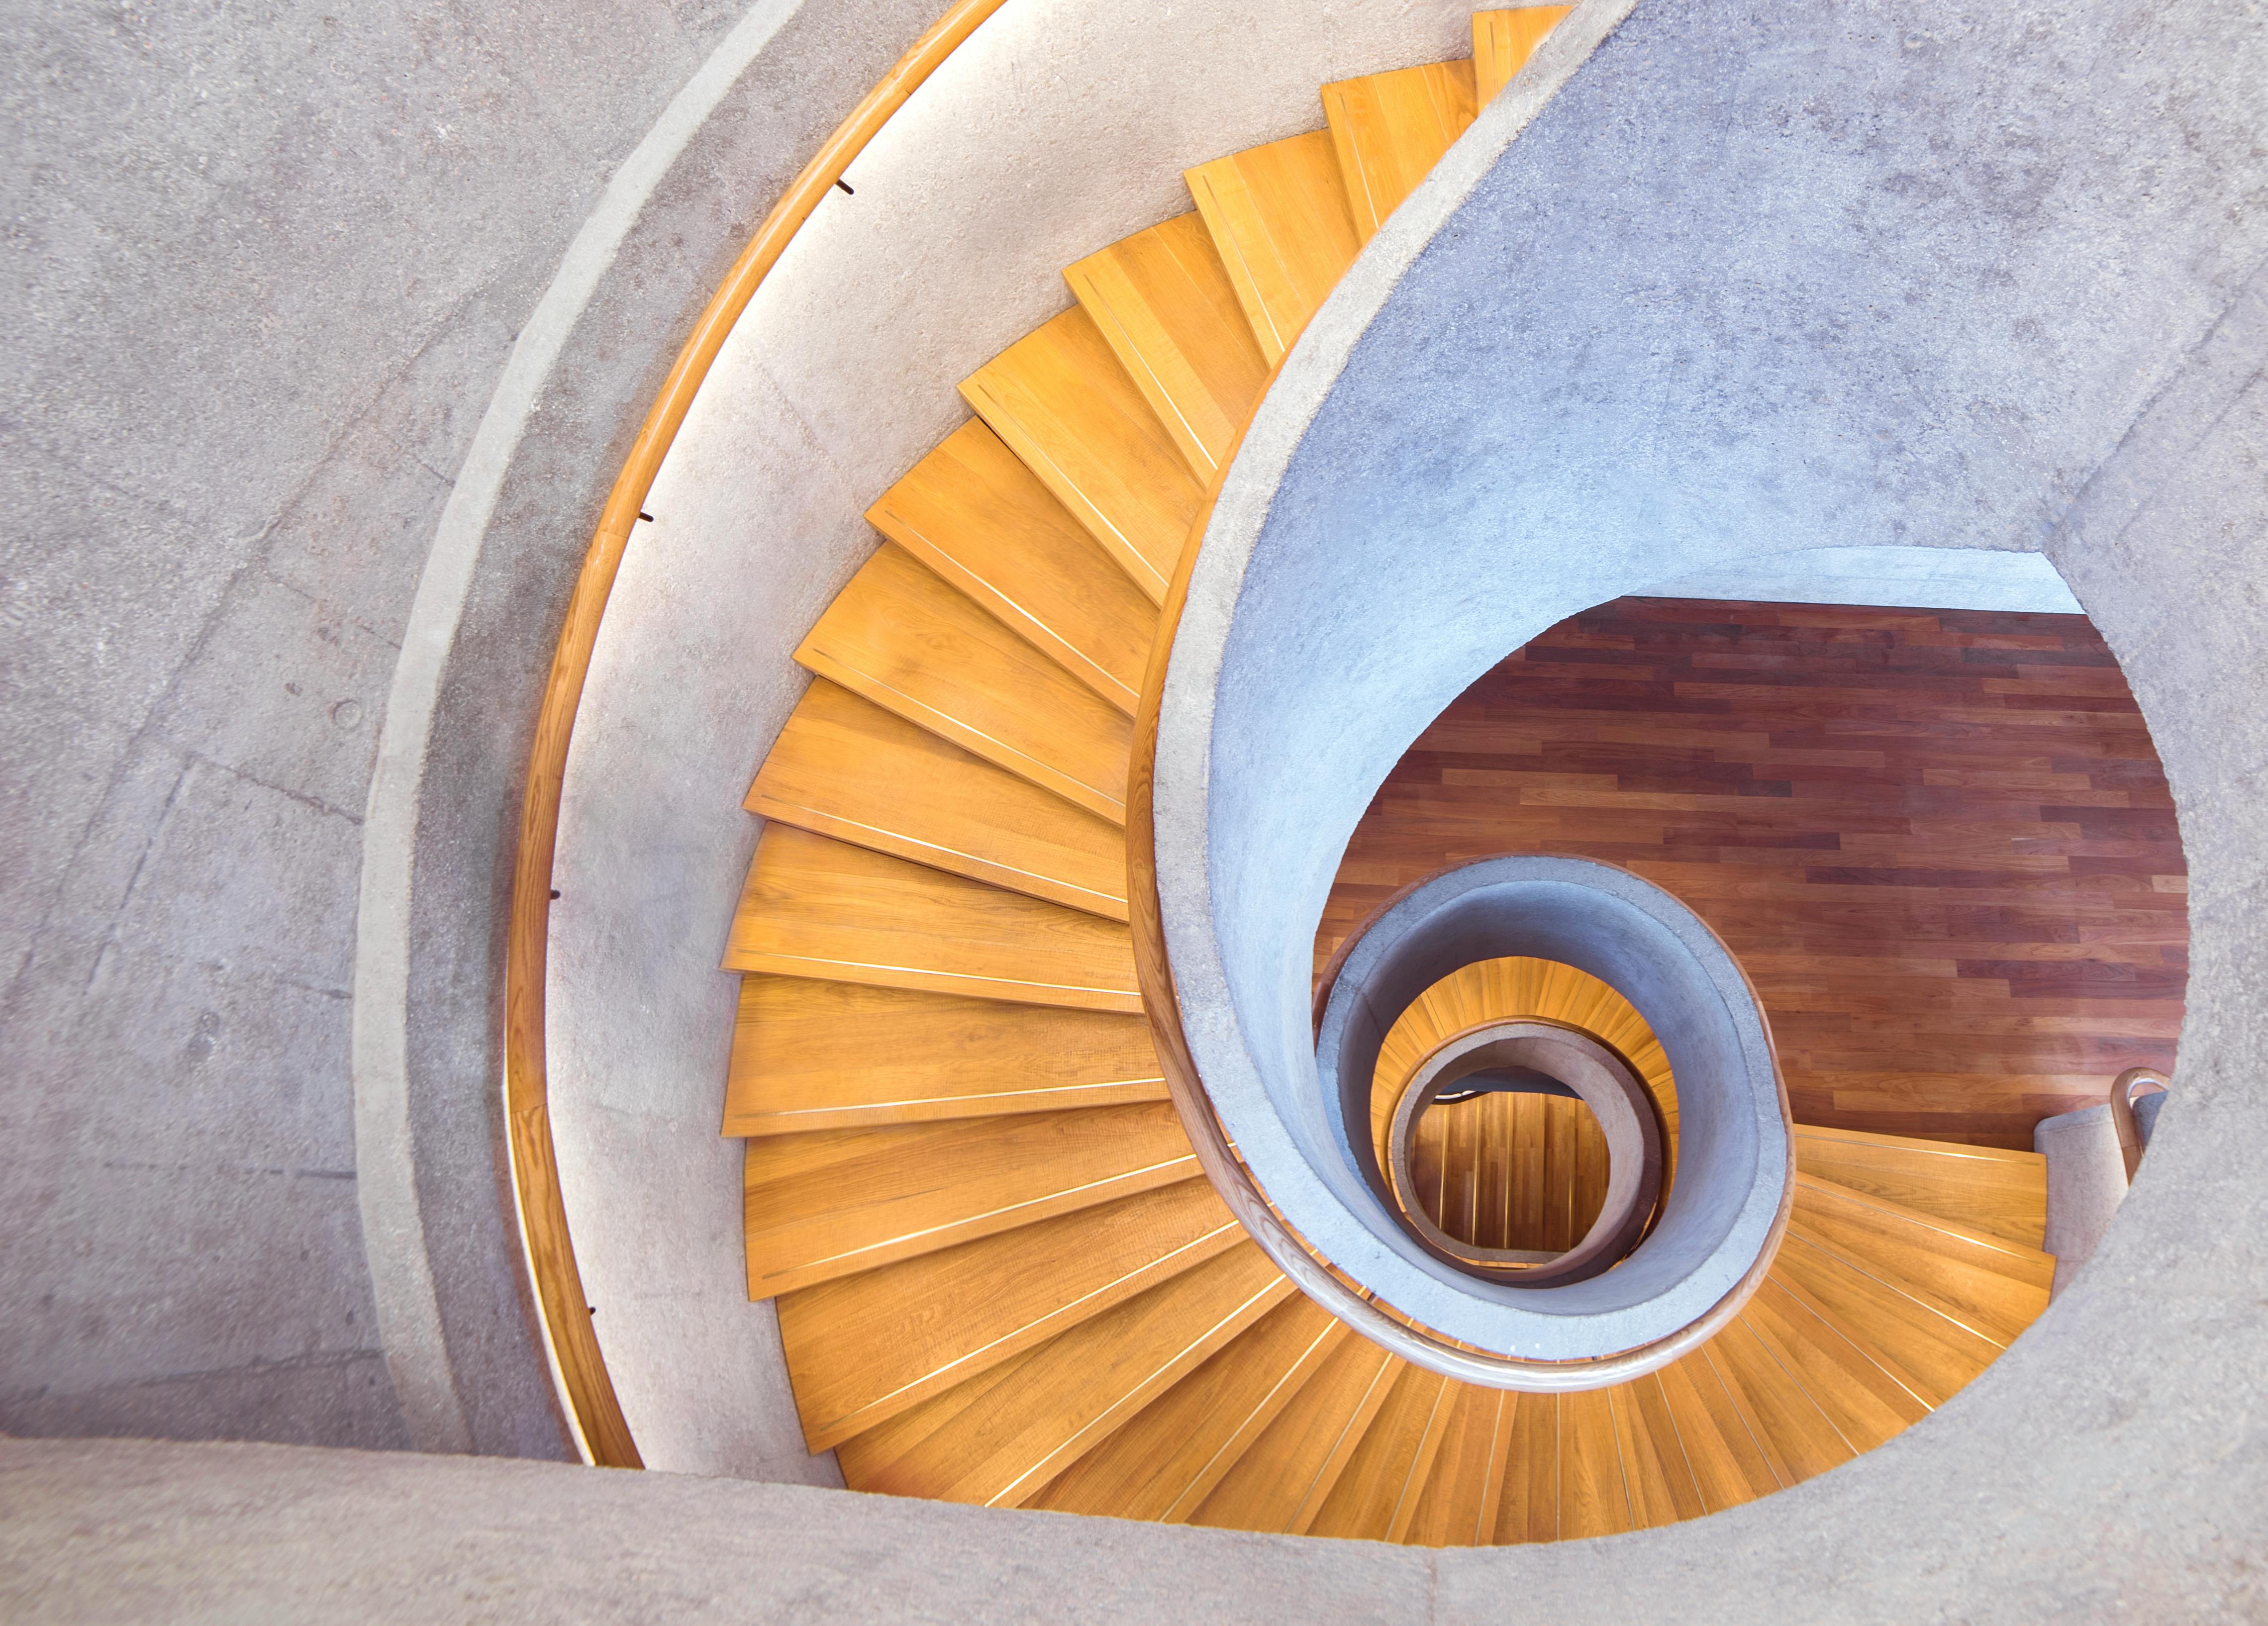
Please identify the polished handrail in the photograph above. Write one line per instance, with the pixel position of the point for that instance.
(2122, 1113)
(1309, 1271)
(581, 1365)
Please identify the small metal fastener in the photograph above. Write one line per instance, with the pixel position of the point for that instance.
(844, 185)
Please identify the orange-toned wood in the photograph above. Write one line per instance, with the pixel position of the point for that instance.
(1000, 1444)
(1987, 1188)
(1527, 1506)
(1282, 1481)
(1502, 42)
(1939, 842)
(1277, 215)
(1166, 1459)
(901, 638)
(1388, 129)
(971, 511)
(1804, 1440)
(1594, 1497)
(1727, 1465)
(841, 1201)
(817, 908)
(1865, 1403)
(1997, 1287)
(811, 1055)
(585, 1387)
(1376, 1496)
(845, 768)
(1060, 398)
(1458, 1507)
(1163, 303)
(867, 1347)
(1935, 1352)
(1655, 1471)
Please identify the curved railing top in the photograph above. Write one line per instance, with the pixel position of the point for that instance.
(586, 1388)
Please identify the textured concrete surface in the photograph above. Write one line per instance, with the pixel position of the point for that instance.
(1930, 579)
(1868, 277)
(1058, 129)
(2087, 1182)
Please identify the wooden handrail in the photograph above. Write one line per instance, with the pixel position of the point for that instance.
(588, 1390)
(2122, 1113)
(1309, 1271)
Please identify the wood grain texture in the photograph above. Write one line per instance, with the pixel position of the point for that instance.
(585, 1387)
(1527, 1504)
(1989, 1187)
(1939, 842)
(814, 1055)
(837, 1202)
(971, 511)
(1502, 41)
(1000, 1438)
(1277, 215)
(1377, 1495)
(1656, 1474)
(1594, 1497)
(1388, 129)
(1934, 1350)
(1164, 1462)
(845, 768)
(912, 644)
(1727, 1464)
(1163, 303)
(1283, 1477)
(1458, 1506)
(1995, 1286)
(867, 1347)
(1059, 399)
(817, 908)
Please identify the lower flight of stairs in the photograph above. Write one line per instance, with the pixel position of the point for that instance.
(999, 1275)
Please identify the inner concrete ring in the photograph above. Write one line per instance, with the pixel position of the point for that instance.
(1603, 1081)
(1722, 1221)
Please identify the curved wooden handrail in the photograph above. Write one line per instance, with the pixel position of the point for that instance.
(2122, 1113)
(587, 1387)
(1309, 1271)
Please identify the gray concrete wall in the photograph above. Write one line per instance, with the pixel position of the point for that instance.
(265, 269)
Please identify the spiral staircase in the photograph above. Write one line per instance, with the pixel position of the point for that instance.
(1000, 1276)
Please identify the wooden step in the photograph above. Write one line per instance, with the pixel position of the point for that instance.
(1376, 1496)
(1986, 1188)
(1277, 215)
(868, 1347)
(1388, 129)
(817, 908)
(1527, 1509)
(972, 512)
(1934, 1352)
(1997, 1287)
(841, 1201)
(1867, 1404)
(810, 1054)
(898, 634)
(1503, 41)
(845, 768)
(1728, 1466)
(1163, 303)
(1060, 399)
(1165, 1462)
(1458, 1507)
(1799, 1438)
(1283, 1479)
(1656, 1475)
(1593, 1498)
(1000, 1443)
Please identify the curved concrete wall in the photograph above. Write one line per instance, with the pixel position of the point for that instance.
(1059, 128)
(1758, 280)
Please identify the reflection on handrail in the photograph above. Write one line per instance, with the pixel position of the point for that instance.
(585, 1387)
(2122, 1111)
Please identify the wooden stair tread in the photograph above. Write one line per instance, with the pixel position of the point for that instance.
(1867, 1404)
(1283, 1478)
(1800, 1439)
(1993, 1284)
(1657, 1478)
(1727, 1464)
(809, 1055)
(1388, 129)
(1527, 1506)
(1167, 1461)
(1502, 42)
(972, 512)
(1987, 1188)
(1458, 1506)
(819, 908)
(845, 768)
(831, 1203)
(1277, 215)
(899, 635)
(1163, 303)
(1061, 400)
(1594, 1500)
(1001, 1443)
(1376, 1496)
(867, 1347)
(1934, 1350)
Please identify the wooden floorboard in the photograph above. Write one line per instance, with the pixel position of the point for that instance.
(1940, 842)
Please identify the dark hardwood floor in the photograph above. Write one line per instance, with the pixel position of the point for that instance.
(1940, 842)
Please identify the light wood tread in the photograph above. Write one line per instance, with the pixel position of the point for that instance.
(902, 638)
(1388, 129)
(845, 768)
(1060, 399)
(811, 1054)
(819, 908)
(1287, 1474)
(838, 1201)
(1503, 41)
(1985, 1188)
(1277, 215)
(974, 513)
